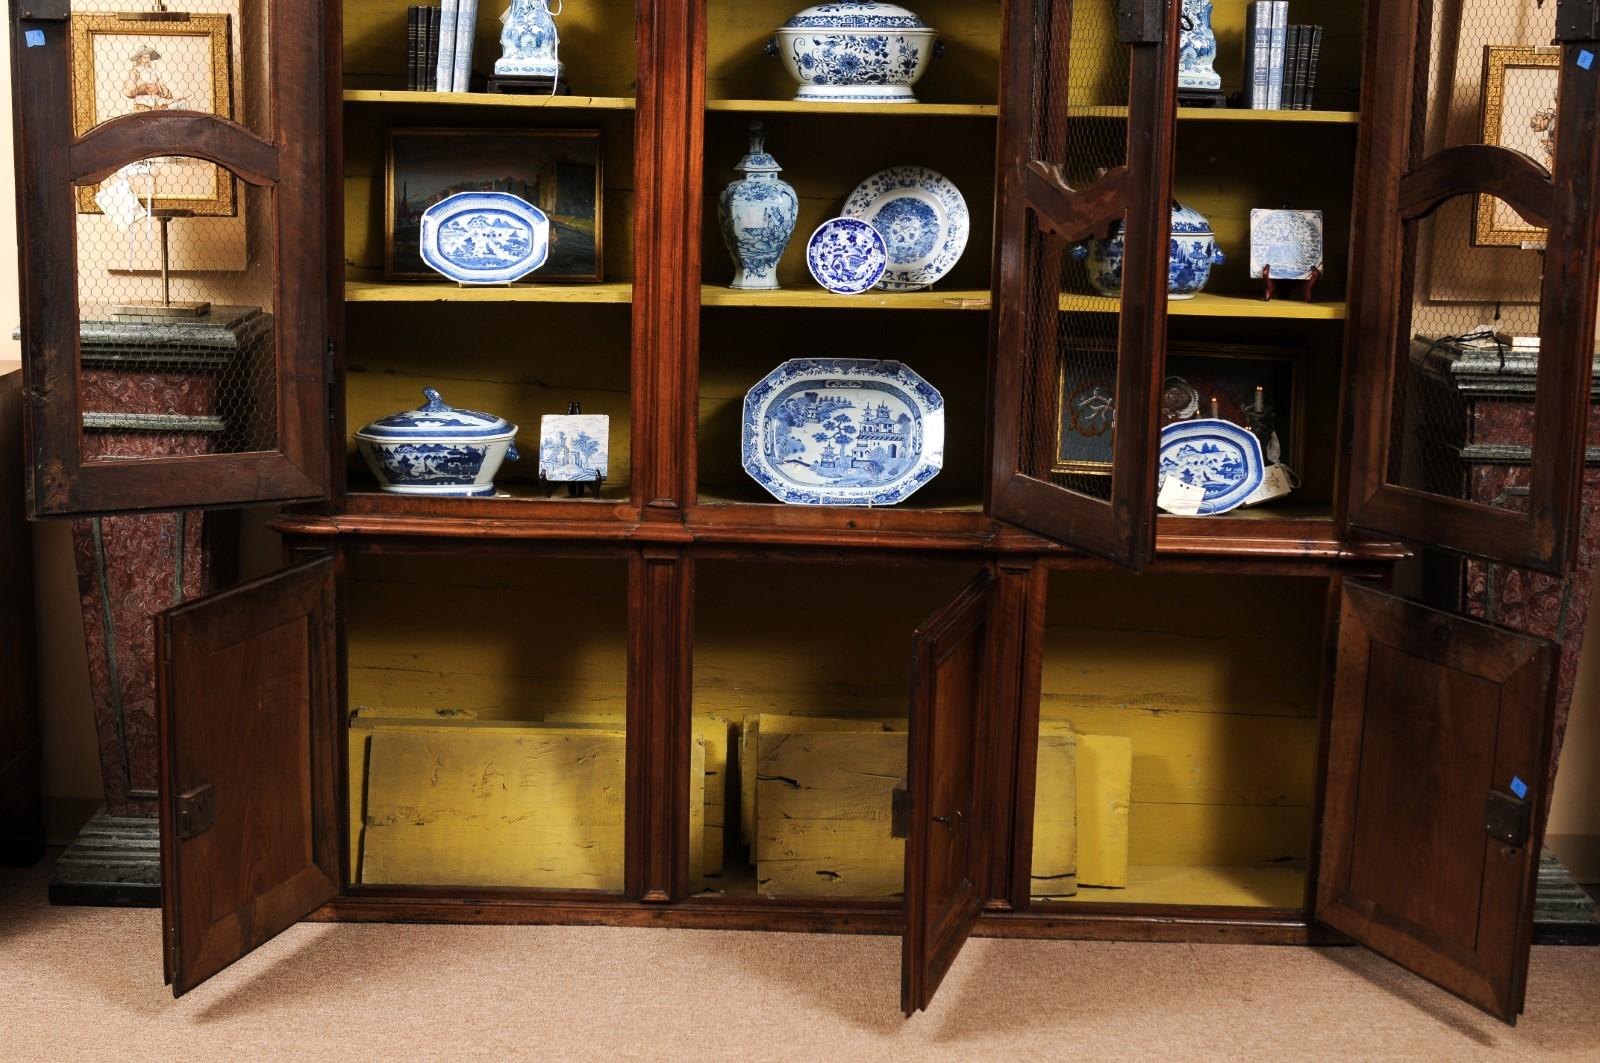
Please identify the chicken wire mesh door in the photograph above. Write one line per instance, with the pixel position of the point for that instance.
(1087, 132)
(175, 263)
(1475, 273)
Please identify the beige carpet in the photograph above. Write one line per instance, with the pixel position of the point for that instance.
(79, 983)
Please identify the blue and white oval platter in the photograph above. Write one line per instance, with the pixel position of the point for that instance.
(485, 237)
(1217, 455)
(843, 432)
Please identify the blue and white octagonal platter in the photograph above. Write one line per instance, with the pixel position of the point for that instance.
(485, 237)
(923, 218)
(847, 256)
(843, 432)
(1216, 455)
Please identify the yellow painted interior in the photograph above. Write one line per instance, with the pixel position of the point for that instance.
(1216, 681)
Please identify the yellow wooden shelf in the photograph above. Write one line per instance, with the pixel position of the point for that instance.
(1206, 304)
(375, 291)
(915, 110)
(1230, 114)
(820, 299)
(1279, 886)
(489, 99)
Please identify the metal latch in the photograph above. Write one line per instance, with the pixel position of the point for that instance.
(1141, 21)
(1577, 20)
(1507, 818)
(45, 10)
(197, 811)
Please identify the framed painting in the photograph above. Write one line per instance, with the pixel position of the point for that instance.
(1255, 387)
(1520, 86)
(557, 170)
(136, 63)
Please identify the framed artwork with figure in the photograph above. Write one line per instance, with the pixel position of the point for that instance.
(1520, 83)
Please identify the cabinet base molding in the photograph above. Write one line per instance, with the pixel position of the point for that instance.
(115, 862)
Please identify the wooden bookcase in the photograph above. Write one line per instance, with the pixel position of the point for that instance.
(1303, 738)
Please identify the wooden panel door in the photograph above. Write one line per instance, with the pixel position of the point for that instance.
(1087, 127)
(1476, 263)
(180, 260)
(1436, 788)
(946, 844)
(248, 711)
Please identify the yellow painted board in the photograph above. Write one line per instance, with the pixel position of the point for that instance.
(824, 812)
(1208, 304)
(1105, 778)
(535, 101)
(358, 290)
(1173, 835)
(1055, 815)
(496, 806)
(896, 110)
(778, 723)
(1231, 114)
(749, 747)
(1275, 886)
(820, 299)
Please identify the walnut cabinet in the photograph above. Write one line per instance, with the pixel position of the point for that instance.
(1326, 746)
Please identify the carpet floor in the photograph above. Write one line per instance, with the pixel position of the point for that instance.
(85, 983)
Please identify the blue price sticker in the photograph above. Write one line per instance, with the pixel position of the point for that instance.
(34, 38)
(1585, 58)
(1519, 787)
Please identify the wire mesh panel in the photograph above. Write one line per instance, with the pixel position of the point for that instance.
(1483, 197)
(175, 303)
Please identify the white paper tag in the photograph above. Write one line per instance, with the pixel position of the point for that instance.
(1175, 496)
(1276, 482)
(118, 202)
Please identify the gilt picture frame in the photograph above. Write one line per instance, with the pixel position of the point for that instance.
(560, 171)
(156, 62)
(1520, 86)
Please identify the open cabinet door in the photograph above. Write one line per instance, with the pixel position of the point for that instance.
(1087, 127)
(1480, 218)
(179, 268)
(1436, 782)
(946, 854)
(249, 826)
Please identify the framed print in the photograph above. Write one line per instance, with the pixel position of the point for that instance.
(135, 63)
(1203, 380)
(557, 170)
(1520, 85)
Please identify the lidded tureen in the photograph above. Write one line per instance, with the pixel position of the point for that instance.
(437, 449)
(861, 52)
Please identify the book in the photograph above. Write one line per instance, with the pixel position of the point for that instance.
(1291, 61)
(1309, 95)
(466, 29)
(1257, 53)
(430, 61)
(445, 68)
(412, 18)
(1280, 29)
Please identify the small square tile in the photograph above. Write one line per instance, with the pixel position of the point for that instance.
(574, 447)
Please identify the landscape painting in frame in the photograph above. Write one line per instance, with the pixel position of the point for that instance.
(557, 170)
(1196, 373)
(1520, 89)
(125, 65)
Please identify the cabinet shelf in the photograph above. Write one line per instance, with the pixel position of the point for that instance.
(536, 101)
(1231, 114)
(903, 110)
(379, 291)
(1205, 304)
(820, 299)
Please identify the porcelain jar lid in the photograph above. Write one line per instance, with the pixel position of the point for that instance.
(434, 420)
(757, 160)
(861, 15)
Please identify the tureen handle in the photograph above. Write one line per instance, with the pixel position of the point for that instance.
(511, 453)
(772, 47)
(434, 403)
(939, 49)
(1079, 251)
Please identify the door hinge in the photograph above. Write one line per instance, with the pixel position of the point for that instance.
(327, 378)
(1577, 20)
(1141, 21)
(45, 10)
(1507, 818)
(197, 811)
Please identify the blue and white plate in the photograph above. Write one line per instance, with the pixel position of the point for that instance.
(923, 217)
(843, 432)
(1214, 454)
(485, 237)
(847, 256)
(1288, 241)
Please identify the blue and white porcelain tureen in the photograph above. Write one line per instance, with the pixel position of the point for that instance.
(860, 52)
(437, 449)
(1194, 251)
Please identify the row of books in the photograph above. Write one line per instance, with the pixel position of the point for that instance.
(439, 46)
(1280, 60)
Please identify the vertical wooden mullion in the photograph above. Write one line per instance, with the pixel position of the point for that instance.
(1007, 684)
(660, 618)
(1025, 772)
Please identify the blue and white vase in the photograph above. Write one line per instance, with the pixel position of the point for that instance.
(1194, 251)
(1197, 49)
(529, 43)
(758, 214)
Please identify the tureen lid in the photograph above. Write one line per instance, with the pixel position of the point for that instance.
(757, 160)
(435, 419)
(863, 14)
